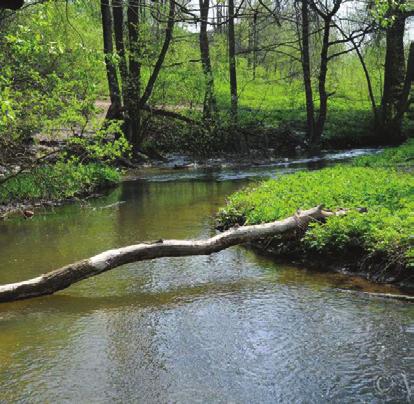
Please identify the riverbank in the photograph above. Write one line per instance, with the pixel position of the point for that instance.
(53, 184)
(375, 236)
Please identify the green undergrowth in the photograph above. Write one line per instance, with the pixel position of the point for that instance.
(387, 228)
(57, 182)
(397, 157)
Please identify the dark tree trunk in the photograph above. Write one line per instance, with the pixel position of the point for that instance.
(133, 93)
(255, 43)
(118, 15)
(310, 108)
(394, 75)
(326, 17)
(209, 107)
(157, 68)
(323, 96)
(11, 4)
(409, 78)
(232, 64)
(113, 84)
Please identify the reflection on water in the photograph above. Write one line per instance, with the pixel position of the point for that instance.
(231, 327)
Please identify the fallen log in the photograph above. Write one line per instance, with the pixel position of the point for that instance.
(62, 278)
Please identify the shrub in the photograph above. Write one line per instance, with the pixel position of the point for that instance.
(55, 182)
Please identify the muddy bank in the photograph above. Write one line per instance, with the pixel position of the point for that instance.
(375, 268)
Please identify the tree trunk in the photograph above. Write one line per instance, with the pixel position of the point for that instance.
(409, 78)
(310, 108)
(323, 96)
(113, 84)
(62, 278)
(255, 43)
(209, 107)
(232, 64)
(118, 15)
(167, 40)
(134, 119)
(394, 75)
(11, 4)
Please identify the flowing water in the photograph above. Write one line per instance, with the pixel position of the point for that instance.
(232, 327)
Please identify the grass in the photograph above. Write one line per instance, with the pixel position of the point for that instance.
(57, 182)
(274, 98)
(387, 228)
(395, 157)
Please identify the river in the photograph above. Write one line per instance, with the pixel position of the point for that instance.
(232, 327)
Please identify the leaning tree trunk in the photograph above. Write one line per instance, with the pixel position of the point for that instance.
(390, 131)
(62, 278)
(161, 57)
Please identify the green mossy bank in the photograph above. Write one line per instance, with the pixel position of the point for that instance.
(56, 182)
(378, 244)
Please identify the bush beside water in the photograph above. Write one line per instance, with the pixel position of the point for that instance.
(56, 182)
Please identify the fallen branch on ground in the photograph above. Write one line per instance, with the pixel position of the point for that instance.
(62, 278)
(169, 114)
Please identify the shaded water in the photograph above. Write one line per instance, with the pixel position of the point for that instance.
(232, 327)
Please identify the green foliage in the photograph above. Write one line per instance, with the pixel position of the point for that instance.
(50, 73)
(56, 182)
(383, 11)
(388, 195)
(396, 156)
(98, 146)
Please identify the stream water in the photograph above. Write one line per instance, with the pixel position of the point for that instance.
(232, 327)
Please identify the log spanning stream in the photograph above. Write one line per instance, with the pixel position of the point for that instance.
(232, 326)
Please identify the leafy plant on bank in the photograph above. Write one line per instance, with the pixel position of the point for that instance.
(388, 195)
(56, 182)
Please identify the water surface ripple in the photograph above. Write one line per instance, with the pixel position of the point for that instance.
(232, 327)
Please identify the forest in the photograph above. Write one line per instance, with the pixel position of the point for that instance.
(208, 77)
(206, 201)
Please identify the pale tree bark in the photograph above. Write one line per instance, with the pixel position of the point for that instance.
(62, 278)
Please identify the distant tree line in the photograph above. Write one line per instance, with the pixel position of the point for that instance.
(313, 34)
